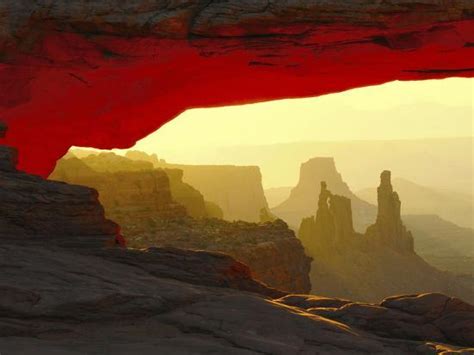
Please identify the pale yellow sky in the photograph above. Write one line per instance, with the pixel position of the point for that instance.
(393, 111)
(396, 110)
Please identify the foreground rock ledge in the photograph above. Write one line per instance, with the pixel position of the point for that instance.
(60, 301)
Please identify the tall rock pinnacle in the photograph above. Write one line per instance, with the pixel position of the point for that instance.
(388, 228)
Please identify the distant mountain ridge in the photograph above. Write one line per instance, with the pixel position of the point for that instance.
(439, 162)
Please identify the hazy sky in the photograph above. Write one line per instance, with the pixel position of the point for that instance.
(396, 110)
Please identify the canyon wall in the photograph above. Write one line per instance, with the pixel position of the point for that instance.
(237, 190)
(303, 197)
(148, 188)
(373, 265)
(142, 201)
(128, 196)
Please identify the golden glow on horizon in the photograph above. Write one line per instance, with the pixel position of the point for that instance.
(393, 111)
(396, 110)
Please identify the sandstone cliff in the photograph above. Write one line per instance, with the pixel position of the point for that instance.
(149, 188)
(129, 196)
(141, 200)
(237, 190)
(303, 197)
(373, 265)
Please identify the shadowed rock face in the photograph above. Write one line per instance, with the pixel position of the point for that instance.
(36, 211)
(162, 300)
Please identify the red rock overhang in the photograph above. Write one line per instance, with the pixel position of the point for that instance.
(65, 82)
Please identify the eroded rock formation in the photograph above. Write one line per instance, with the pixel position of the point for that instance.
(132, 196)
(373, 265)
(142, 199)
(303, 197)
(237, 190)
(388, 228)
(147, 188)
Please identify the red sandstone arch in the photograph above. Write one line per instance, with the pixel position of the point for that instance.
(106, 77)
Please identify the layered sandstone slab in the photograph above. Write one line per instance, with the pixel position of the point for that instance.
(178, 302)
(430, 316)
(34, 210)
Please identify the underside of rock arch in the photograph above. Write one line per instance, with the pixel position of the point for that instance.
(107, 73)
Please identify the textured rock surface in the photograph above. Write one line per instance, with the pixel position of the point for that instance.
(55, 301)
(374, 265)
(107, 64)
(432, 316)
(33, 210)
(271, 250)
(303, 197)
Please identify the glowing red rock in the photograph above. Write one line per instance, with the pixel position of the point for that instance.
(67, 87)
